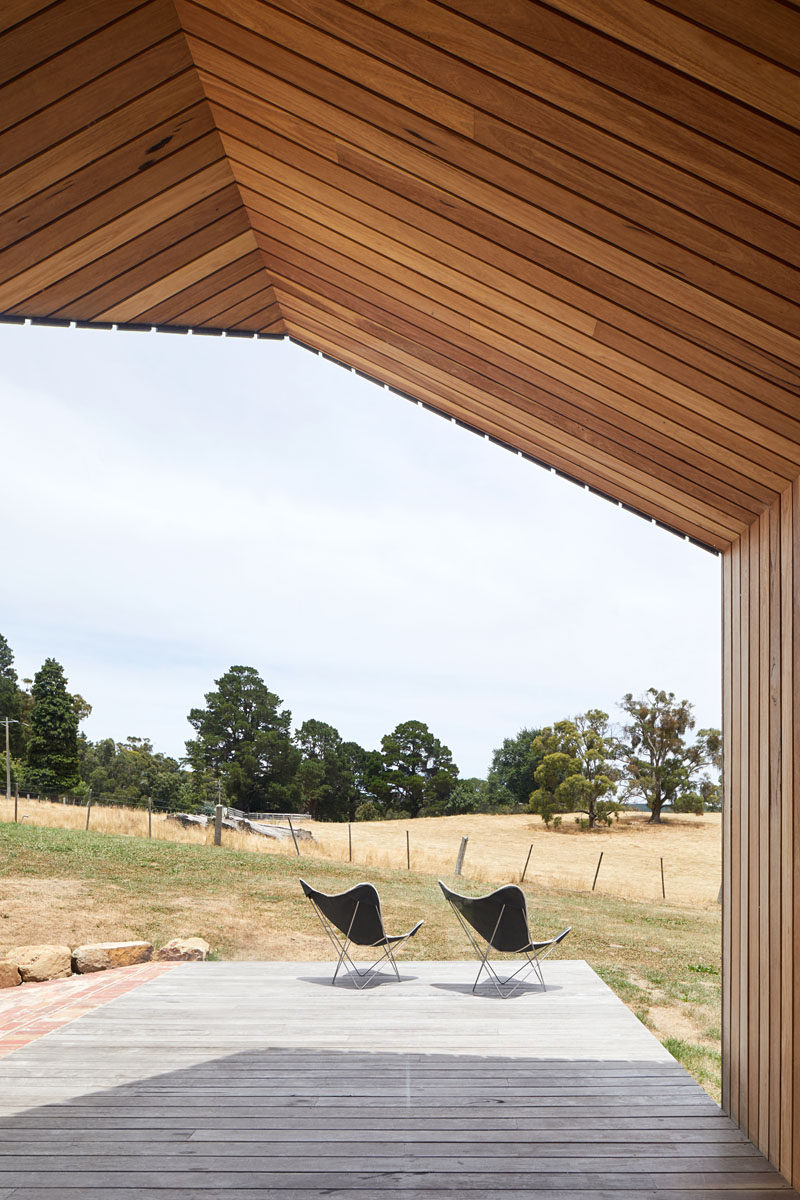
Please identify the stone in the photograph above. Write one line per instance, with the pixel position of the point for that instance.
(103, 956)
(192, 949)
(9, 975)
(38, 963)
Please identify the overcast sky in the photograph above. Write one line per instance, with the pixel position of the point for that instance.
(173, 505)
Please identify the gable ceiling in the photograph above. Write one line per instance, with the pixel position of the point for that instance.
(572, 225)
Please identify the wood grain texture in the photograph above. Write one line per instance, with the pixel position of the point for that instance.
(582, 230)
(573, 227)
(761, 907)
(297, 1093)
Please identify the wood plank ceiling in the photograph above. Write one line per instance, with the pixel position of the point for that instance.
(572, 225)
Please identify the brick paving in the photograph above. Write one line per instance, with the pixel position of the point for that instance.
(32, 1010)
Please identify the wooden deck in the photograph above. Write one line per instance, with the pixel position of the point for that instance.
(251, 1080)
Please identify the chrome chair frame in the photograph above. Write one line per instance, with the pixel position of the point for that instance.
(532, 953)
(341, 941)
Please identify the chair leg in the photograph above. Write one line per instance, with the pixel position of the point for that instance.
(344, 955)
(367, 974)
(530, 964)
(343, 958)
(537, 967)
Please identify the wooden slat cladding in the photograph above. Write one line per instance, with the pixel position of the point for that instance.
(359, 130)
(570, 225)
(117, 196)
(597, 238)
(761, 897)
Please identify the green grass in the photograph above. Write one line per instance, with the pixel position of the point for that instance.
(652, 955)
(703, 1062)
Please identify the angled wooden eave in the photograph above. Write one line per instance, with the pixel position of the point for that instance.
(570, 226)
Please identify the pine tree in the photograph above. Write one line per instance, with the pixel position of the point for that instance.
(11, 698)
(243, 740)
(52, 762)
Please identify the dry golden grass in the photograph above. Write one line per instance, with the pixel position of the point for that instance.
(65, 885)
(563, 859)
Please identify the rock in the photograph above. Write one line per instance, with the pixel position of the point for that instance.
(184, 950)
(9, 975)
(101, 956)
(38, 963)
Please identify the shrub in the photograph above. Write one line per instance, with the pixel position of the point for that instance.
(368, 811)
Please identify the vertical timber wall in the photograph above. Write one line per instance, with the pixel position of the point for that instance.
(761, 838)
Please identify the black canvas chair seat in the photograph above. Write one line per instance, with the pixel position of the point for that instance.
(500, 920)
(354, 918)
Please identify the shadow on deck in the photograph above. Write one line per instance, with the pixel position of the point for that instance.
(251, 1080)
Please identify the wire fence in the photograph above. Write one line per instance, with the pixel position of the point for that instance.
(396, 847)
(154, 803)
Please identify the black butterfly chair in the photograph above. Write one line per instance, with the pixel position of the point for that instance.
(356, 915)
(501, 921)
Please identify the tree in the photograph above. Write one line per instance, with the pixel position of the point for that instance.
(243, 741)
(417, 769)
(83, 708)
(470, 796)
(661, 766)
(576, 769)
(130, 773)
(707, 793)
(52, 758)
(11, 702)
(6, 661)
(324, 778)
(514, 765)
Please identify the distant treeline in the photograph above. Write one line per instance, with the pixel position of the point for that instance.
(246, 754)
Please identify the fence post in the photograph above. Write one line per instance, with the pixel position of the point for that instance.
(408, 852)
(527, 860)
(16, 800)
(461, 852)
(149, 816)
(294, 839)
(350, 841)
(218, 825)
(663, 891)
(597, 872)
(88, 808)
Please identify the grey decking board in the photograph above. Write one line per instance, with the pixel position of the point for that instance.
(365, 1178)
(382, 1148)
(559, 1141)
(480, 1193)
(497, 1089)
(323, 1168)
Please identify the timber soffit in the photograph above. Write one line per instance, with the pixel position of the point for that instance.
(569, 226)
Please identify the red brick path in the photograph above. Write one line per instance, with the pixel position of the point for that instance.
(34, 1009)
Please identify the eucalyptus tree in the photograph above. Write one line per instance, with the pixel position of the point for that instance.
(577, 771)
(660, 763)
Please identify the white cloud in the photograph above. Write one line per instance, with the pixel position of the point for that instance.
(180, 504)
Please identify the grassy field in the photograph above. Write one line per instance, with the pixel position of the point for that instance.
(498, 847)
(662, 958)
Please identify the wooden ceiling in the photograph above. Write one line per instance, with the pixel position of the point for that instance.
(572, 226)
